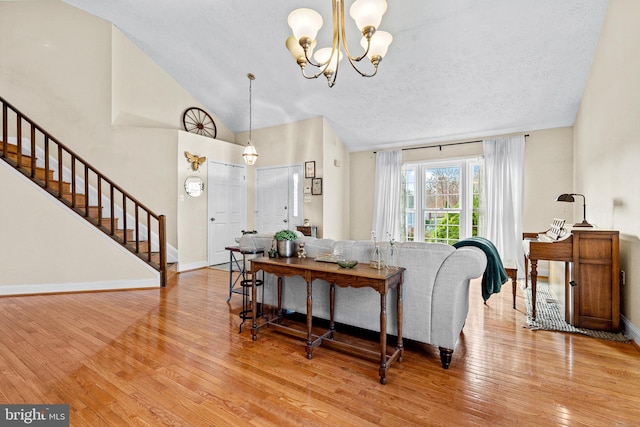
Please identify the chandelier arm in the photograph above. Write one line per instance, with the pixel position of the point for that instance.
(352, 59)
(309, 60)
(342, 28)
(313, 76)
(335, 43)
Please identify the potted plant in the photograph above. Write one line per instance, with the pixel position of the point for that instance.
(286, 242)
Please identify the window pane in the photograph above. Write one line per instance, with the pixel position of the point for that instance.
(409, 234)
(434, 192)
(475, 209)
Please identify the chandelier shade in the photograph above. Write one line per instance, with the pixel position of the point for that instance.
(368, 13)
(305, 24)
(378, 45)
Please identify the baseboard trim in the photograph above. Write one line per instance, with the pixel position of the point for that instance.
(630, 330)
(181, 267)
(51, 288)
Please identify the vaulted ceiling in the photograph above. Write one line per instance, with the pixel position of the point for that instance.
(456, 68)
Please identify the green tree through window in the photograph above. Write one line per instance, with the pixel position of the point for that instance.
(440, 201)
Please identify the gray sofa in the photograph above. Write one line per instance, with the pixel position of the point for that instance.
(435, 289)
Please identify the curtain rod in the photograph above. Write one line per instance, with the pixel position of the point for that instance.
(443, 145)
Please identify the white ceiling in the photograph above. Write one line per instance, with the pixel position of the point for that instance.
(456, 68)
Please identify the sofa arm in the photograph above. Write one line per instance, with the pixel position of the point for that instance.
(450, 301)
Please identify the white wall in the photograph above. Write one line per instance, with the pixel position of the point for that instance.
(548, 172)
(288, 144)
(336, 177)
(607, 143)
(46, 249)
(193, 212)
(80, 79)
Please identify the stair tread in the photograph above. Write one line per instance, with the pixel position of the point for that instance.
(46, 179)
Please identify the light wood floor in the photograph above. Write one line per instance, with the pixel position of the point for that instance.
(175, 357)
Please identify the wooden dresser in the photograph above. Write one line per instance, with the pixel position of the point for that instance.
(594, 296)
(308, 230)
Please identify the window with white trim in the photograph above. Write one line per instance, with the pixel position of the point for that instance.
(440, 200)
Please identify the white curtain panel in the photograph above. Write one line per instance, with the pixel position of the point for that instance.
(503, 188)
(388, 188)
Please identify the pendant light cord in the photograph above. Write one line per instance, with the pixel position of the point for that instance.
(251, 78)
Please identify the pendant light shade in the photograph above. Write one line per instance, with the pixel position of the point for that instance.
(250, 155)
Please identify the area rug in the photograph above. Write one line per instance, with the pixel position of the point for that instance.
(550, 318)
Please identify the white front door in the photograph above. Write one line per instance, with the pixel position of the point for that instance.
(227, 211)
(278, 198)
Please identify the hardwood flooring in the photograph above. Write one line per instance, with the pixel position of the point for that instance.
(174, 357)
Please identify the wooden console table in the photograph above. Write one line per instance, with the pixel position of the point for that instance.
(360, 276)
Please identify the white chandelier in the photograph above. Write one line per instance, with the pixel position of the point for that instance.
(306, 23)
(250, 155)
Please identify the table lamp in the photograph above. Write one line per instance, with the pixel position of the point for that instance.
(571, 199)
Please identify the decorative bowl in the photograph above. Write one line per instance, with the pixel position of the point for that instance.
(347, 263)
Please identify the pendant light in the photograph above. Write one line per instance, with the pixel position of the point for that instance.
(250, 154)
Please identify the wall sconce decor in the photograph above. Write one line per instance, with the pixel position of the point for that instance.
(194, 186)
(195, 160)
(568, 197)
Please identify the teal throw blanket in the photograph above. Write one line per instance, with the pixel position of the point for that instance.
(494, 275)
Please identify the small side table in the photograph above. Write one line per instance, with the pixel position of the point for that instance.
(512, 271)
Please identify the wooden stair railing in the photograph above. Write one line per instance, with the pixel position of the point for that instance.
(136, 234)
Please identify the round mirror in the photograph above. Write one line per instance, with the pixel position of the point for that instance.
(194, 186)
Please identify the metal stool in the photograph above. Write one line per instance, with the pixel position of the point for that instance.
(247, 307)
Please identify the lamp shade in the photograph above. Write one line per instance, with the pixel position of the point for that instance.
(305, 23)
(368, 13)
(296, 50)
(565, 198)
(250, 155)
(380, 42)
(323, 56)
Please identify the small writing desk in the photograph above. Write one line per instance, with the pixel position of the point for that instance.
(360, 276)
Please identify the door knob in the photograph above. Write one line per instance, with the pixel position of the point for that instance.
(285, 221)
(213, 219)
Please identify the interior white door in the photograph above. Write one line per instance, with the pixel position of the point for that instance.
(226, 209)
(272, 191)
(278, 198)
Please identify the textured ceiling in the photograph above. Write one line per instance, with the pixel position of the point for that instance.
(456, 68)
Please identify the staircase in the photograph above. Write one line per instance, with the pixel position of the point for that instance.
(83, 189)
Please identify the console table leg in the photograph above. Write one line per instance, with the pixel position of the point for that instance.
(309, 346)
(534, 282)
(280, 312)
(383, 339)
(400, 344)
(332, 301)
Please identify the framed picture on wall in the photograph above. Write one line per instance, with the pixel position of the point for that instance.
(310, 169)
(316, 186)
